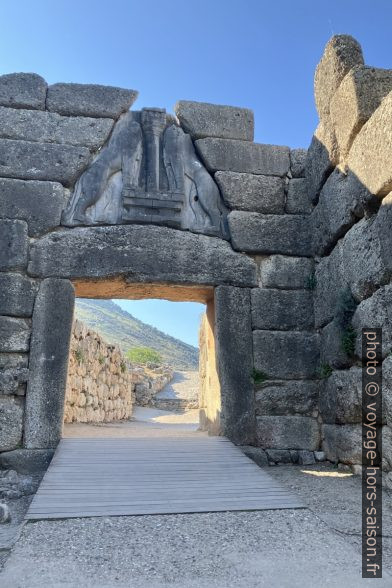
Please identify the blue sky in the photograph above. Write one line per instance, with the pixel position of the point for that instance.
(255, 53)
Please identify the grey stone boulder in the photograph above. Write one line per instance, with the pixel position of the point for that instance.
(202, 119)
(13, 381)
(256, 454)
(319, 455)
(285, 398)
(298, 162)
(322, 157)
(233, 339)
(383, 230)
(298, 201)
(373, 312)
(243, 156)
(288, 432)
(40, 204)
(281, 310)
(341, 54)
(330, 281)
(11, 422)
(53, 314)
(17, 294)
(252, 192)
(331, 346)
(26, 461)
(23, 90)
(141, 254)
(49, 127)
(343, 200)
(279, 271)
(279, 455)
(342, 443)
(27, 160)
(286, 355)
(89, 100)
(266, 234)
(14, 335)
(13, 244)
(13, 360)
(5, 513)
(341, 397)
(306, 457)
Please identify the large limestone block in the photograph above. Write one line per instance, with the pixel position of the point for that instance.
(298, 201)
(357, 97)
(343, 200)
(27, 160)
(89, 100)
(281, 310)
(284, 398)
(288, 432)
(341, 397)
(331, 346)
(341, 54)
(141, 254)
(12, 381)
(51, 332)
(373, 312)
(49, 127)
(202, 119)
(244, 156)
(342, 443)
(258, 233)
(11, 422)
(26, 461)
(252, 192)
(17, 295)
(279, 271)
(23, 90)
(286, 356)
(40, 204)
(13, 244)
(329, 282)
(233, 341)
(371, 152)
(298, 162)
(14, 335)
(322, 157)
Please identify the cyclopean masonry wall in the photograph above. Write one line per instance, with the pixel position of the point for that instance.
(119, 204)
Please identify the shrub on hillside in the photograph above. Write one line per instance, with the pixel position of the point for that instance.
(143, 355)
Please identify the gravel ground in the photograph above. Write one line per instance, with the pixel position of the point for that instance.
(319, 547)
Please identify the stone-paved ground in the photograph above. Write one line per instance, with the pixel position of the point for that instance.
(315, 548)
(182, 392)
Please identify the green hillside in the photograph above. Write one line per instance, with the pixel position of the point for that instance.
(121, 328)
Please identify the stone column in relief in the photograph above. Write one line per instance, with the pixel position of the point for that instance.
(49, 349)
(234, 349)
(153, 123)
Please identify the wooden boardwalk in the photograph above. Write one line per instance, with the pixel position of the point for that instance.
(137, 476)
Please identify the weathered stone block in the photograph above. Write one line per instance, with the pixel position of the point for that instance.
(331, 346)
(329, 282)
(288, 432)
(11, 422)
(13, 360)
(49, 127)
(244, 156)
(279, 455)
(371, 151)
(252, 192)
(286, 356)
(306, 457)
(13, 380)
(201, 119)
(256, 233)
(89, 100)
(256, 454)
(374, 312)
(322, 156)
(341, 397)
(14, 335)
(233, 340)
(23, 90)
(342, 443)
(383, 230)
(283, 398)
(281, 310)
(341, 54)
(343, 200)
(288, 273)
(53, 314)
(357, 97)
(40, 204)
(27, 160)
(141, 254)
(17, 295)
(298, 201)
(13, 244)
(298, 162)
(26, 461)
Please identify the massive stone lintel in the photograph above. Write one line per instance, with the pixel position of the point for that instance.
(141, 254)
